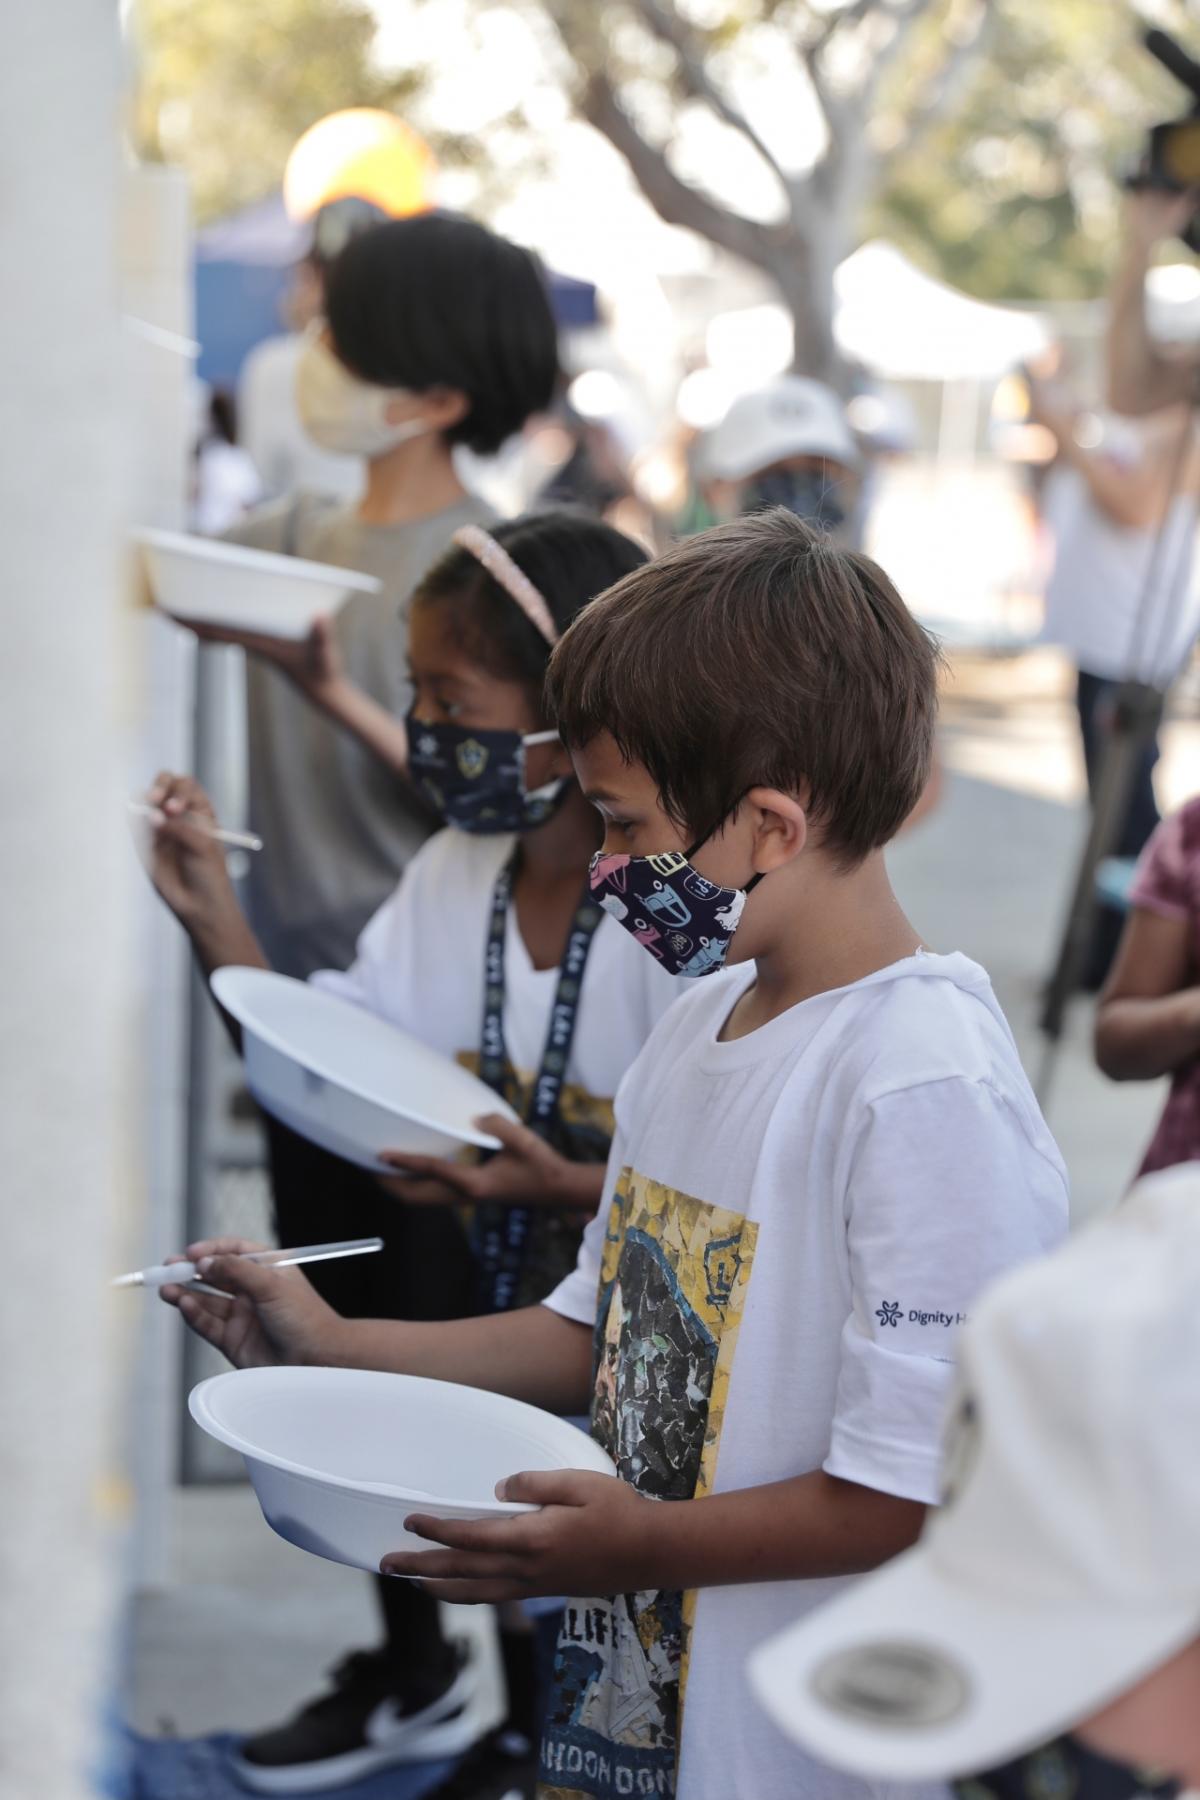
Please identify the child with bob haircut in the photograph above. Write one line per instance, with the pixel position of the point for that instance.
(821, 1156)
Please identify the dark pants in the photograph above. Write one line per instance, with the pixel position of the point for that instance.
(1094, 699)
(425, 1271)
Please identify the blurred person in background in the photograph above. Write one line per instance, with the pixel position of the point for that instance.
(1145, 375)
(436, 333)
(225, 482)
(884, 424)
(273, 433)
(1122, 599)
(1148, 1020)
(788, 445)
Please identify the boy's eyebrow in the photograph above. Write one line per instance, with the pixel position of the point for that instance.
(598, 794)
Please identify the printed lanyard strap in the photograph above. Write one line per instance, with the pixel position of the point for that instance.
(503, 1233)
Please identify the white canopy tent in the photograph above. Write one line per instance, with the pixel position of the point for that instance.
(905, 325)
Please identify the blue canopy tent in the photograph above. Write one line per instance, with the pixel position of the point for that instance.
(242, 268)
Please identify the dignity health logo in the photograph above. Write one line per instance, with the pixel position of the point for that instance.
(891, 1312)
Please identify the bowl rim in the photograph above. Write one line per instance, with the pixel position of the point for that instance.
(480, 1140)
(200, 1408)
(252, 559)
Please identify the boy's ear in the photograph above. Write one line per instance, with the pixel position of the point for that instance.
(781, 830)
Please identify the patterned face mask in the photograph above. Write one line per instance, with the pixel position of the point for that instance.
(476, 779)
(684, 920)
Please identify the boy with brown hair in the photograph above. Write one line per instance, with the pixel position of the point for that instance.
(820, 1158)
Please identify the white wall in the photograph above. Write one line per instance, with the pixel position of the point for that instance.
(64, 701)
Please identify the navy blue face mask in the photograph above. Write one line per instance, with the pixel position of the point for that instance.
(476, 779)
(809, 493)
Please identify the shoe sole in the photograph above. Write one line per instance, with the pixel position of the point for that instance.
(414, 1742)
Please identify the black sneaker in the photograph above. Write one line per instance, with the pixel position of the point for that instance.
(366, 1723)
(502, 1766)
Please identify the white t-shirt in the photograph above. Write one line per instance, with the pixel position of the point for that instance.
(420, 963)
(1094, 594)
(794, 1224)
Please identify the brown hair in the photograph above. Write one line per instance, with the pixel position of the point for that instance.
(757, 654)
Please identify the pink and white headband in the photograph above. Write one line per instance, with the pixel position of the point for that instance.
(516, 584)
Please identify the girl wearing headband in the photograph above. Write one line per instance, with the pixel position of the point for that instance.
(485, 951)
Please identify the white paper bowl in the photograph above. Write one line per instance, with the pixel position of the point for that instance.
(204, 581)
(346, 1079)
(340, 1457)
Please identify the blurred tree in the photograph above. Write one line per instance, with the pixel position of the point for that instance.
(1013, 195)
(795, 87)
(982, 135)
(225, 87)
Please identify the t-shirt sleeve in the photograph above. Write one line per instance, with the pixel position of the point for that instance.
(1160, 884)
(375, 957)
(577, 1294)
(383, 975)
(946, 1191)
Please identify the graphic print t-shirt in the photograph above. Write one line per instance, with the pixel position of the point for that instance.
(795, 1224)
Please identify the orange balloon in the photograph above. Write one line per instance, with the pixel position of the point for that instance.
(361, 151)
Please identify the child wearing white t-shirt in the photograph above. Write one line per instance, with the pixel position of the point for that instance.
(821, 1157)
(485, 942)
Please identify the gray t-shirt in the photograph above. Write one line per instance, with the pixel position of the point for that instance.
(337, 826)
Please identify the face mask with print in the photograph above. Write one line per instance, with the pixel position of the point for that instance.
(476, 779)
(684, 920)
(342, 413)
(809, 493)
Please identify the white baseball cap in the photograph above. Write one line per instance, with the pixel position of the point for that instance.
(792, 417)
(1064, 1562)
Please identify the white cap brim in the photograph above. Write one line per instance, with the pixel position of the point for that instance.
(914, 1676)
(726, 456)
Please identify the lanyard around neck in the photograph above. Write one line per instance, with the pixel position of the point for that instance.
(502, 1234)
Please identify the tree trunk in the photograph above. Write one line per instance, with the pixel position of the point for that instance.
(804, 270)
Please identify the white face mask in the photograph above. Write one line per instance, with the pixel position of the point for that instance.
(342, 413)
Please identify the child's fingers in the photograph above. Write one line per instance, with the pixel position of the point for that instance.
(449, 1565)
(257, 1282)
(553, 1487)
(205, 1324)
(222, 1246)
(174, 1293)
(462, 1178)
(512, 1134)
(478, 1536)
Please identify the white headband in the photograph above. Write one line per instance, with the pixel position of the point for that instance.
(516, 584)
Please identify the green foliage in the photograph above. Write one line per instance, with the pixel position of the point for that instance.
(1016, 194)
(227, 86)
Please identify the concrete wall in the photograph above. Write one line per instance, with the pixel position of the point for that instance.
(65, 700)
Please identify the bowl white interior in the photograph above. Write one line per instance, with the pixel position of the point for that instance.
(389, 1434)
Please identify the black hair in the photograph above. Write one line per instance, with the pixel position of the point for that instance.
(439, 301)
(569, 557)
(222, 416)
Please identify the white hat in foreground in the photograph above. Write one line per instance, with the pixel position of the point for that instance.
(1064, 1563)
(792, 417)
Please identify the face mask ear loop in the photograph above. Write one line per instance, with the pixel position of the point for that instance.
(699, 845)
